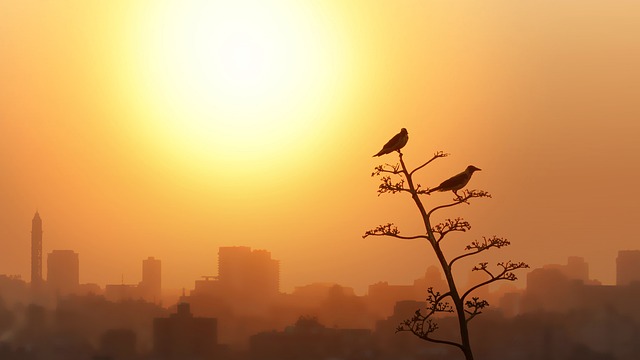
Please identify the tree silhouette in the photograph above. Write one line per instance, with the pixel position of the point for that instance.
(398, 179)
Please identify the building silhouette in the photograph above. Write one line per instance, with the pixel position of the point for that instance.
(627, 267)
(149, 289)
(183, 336)
(309, 339)
(13, 290)
(208, 286)
(394, 345)
(247, 276)
(118, 344)
(36, 250)
(151, 284)
(121, 292)
(382, 296)
(315, 294)
(63, 271)
(575, 269)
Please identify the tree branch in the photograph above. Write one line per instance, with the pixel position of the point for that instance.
(480, 246)
(438, 154)
(390, 229)
(423, 329)
(422, 325)
(420, 191)
(506, 274)
(476, 305)
(435, 301)
(388, 186)
(464, 198)
(435, 305)
(386, 168)
(449, 225)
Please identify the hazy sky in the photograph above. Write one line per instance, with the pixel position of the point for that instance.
(169, 129)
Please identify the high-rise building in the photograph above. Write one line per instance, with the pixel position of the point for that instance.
(248, 274)
(627, 267)
(36, 250)
(151, 284)
(63, 271)
(248, 281)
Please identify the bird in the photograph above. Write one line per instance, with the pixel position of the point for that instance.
(396, 143)
(456, 182)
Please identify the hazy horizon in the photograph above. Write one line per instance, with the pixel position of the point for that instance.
(152, 130)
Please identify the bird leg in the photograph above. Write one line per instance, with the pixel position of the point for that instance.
(458, 197)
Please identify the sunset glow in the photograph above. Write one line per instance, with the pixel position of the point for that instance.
(319, 179)
(221, 75)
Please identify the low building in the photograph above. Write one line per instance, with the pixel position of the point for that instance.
(310, 340)
(183, 336)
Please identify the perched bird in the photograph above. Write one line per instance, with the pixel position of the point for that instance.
(456, 182)
(396, 143)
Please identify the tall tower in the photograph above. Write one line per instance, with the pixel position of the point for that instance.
(151, 280)
(36, 250)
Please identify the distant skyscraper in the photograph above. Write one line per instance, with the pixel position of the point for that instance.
(151, 279)
(248, 274)
(36, 250)
(627, 267)
(63, 271)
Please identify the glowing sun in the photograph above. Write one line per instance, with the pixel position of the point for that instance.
(241, 76)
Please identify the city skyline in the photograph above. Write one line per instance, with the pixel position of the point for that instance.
(240, 311)
(231, 258)
(142, 127)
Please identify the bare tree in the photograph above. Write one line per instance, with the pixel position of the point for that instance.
(398, 179)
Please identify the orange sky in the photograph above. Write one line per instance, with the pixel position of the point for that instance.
(115, 127)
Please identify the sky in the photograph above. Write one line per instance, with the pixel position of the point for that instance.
(172, 128)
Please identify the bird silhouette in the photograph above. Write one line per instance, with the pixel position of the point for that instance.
(456, 182)
(396, 143)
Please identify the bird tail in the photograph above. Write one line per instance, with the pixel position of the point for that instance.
(437, 188)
